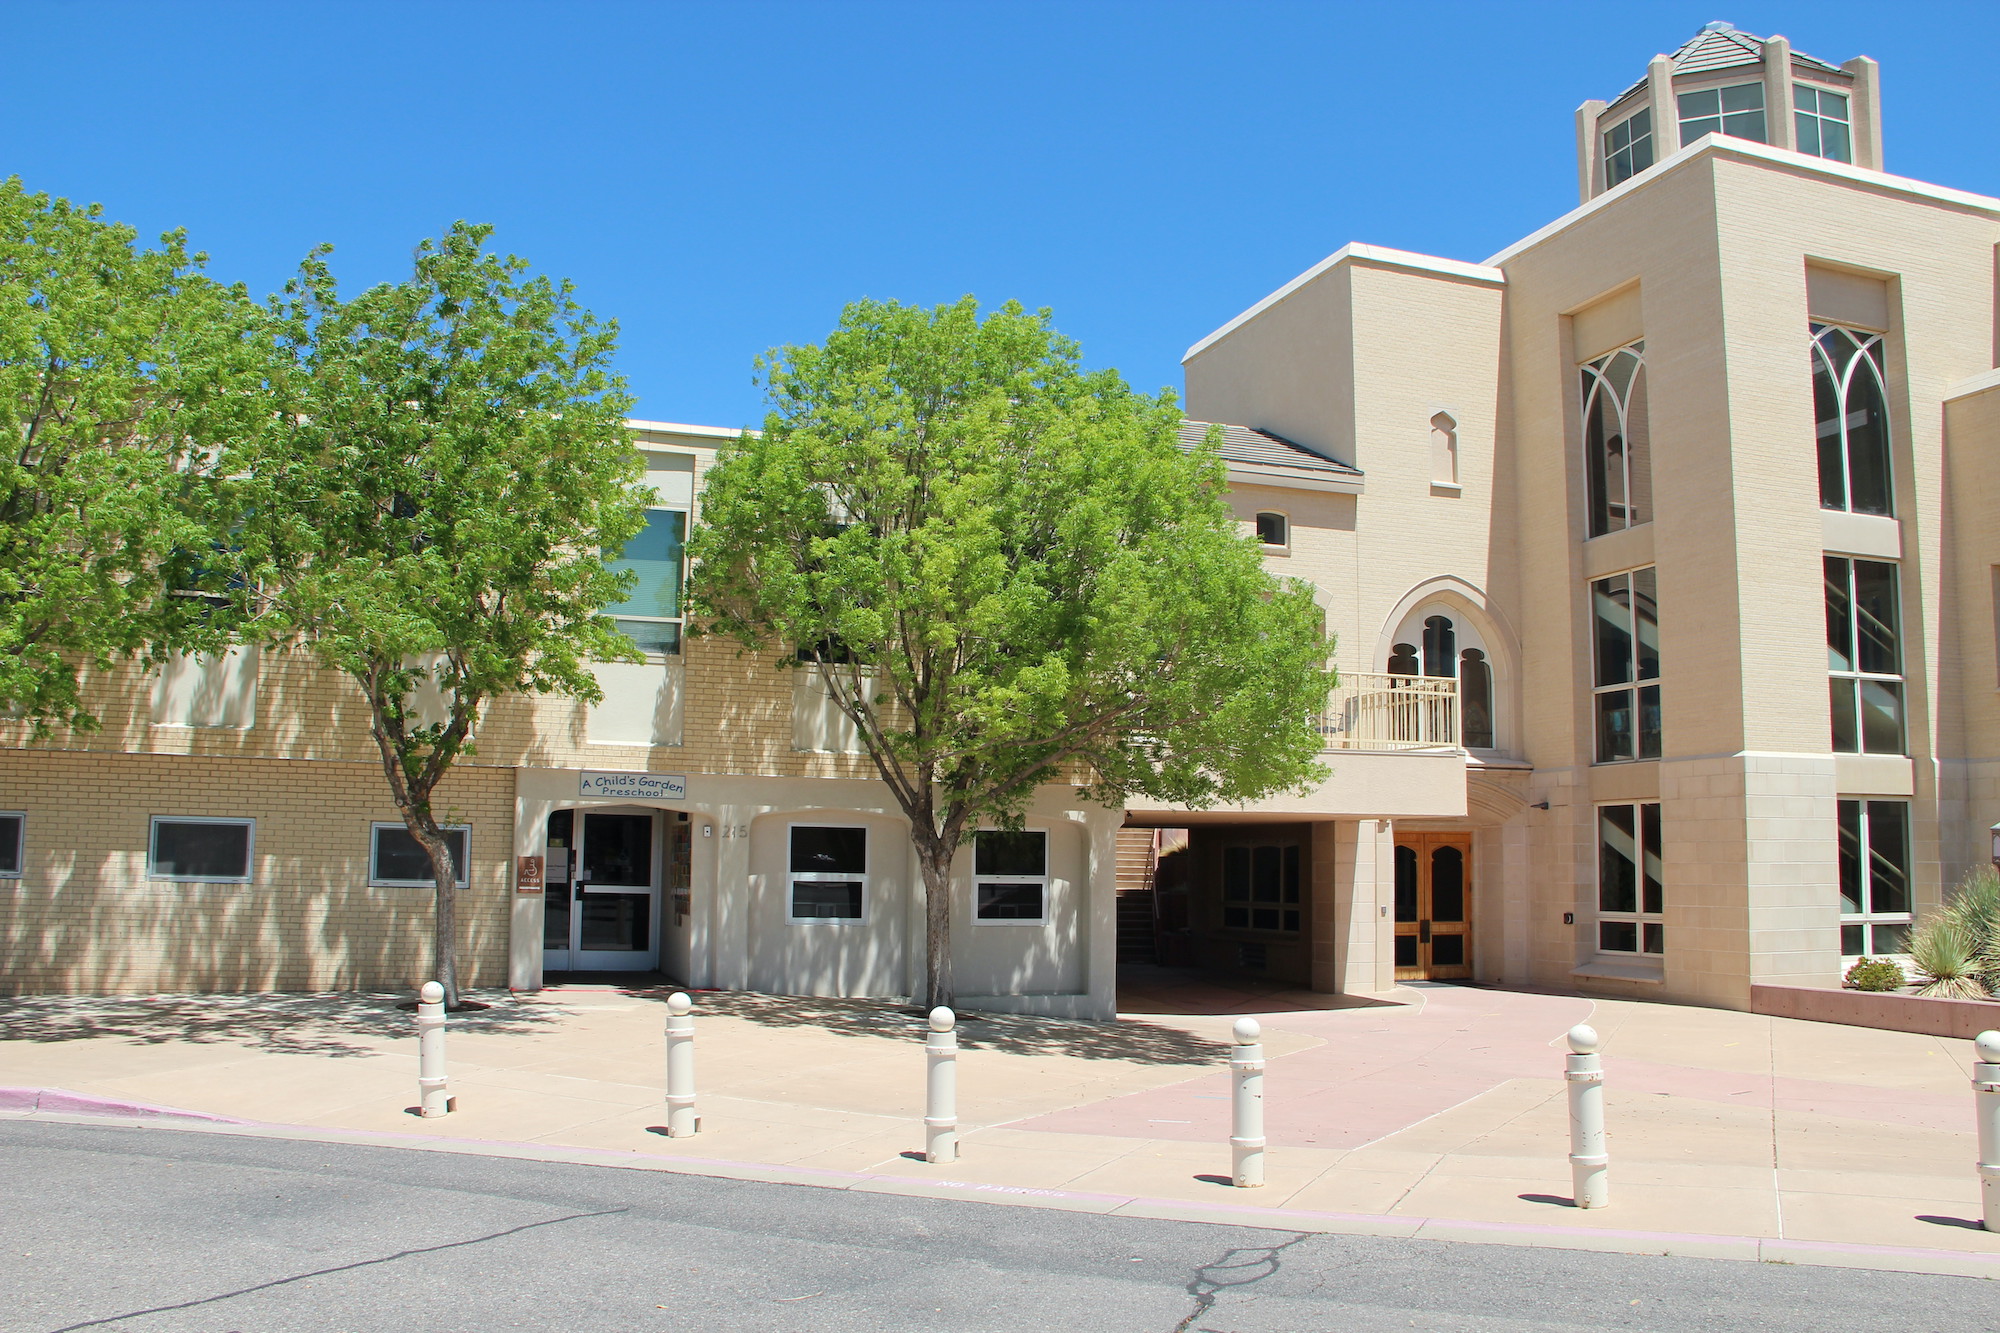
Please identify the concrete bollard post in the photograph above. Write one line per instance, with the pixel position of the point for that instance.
(1986, 1103)
(941, 1088)
(1246, 1120)
(681, 1120)
(431, 1098)
(1590, 1184)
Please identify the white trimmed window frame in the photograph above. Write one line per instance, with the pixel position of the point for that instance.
(1273, 548)
(461, 864)
(678, 622)
(1868, 920)
(793, 878)
(249, 849)
(1042, 881)
(1648, 928)
(20, 818)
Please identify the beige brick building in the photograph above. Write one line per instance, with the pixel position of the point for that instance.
(1666, 619)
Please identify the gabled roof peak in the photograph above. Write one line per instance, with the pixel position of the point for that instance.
(1721, 45)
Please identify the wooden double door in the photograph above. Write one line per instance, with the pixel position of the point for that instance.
(1433, 906)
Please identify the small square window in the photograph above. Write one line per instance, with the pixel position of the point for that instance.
(1273, 529)
(826, 900)
(1010, 877)
(200, 850)
(13, 827)
(398, 860)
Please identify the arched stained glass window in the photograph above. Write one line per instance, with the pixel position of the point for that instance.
(1618, 456)
(1851, 418)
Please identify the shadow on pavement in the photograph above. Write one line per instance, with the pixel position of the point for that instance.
(1016, 1034)
(330, 1024)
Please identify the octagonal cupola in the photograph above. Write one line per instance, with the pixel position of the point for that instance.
(1723, 81)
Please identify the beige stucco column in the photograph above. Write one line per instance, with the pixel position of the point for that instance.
(1353, 929)
(1587, 154)
(1866, 112)
(524, 944)
(1666, 118)
(1778, 127)
(1101, 929)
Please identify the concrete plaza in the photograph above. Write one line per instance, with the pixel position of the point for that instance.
(1438, 1110)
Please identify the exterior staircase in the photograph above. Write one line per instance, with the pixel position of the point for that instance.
(1136, 942)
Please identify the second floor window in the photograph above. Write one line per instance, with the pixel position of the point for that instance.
(1626, 637)
(1617, 453)
(1736, 110)
(1851, 419)
(1820, 116)
(1628, 148)
(1864, 656)
(651, 614)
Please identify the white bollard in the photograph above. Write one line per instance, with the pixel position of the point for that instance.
(1246, 1121)
(431, 1098)
(681, 1119)
(1986, 1104)
(1589, 1164)
(941, 1101)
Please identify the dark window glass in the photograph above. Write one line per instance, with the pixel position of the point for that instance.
(1846, 721)
(1406, 884)
(1291, 873)
(618, 850)
(1614, 726)
(1475, 693)
(1628, 148)
(1440, 647)
(187, 850)
(1875, 618)
(1853, 941)
(820, 899)
(1236, 874)
(1651, 874)
(1882, 716)
(1237, 918)
(1850, 407)
(616, 922)
(1406, 951)
(837, 851)
(1403, 660)
(1266, 874)
(10, 844)
(1891, 936)
(1616, 441)
(1611, 599)
(1010, 902)
(1000, 853)
(1447, 887)
(1271, 529)
(1656, 937)
(1850, 857)
(1618, 936)
(1839, 616)
(400, 858)
(1447, 950)
(1618, 860)
(1649, 722)
(1863, 641)
(1888, 857)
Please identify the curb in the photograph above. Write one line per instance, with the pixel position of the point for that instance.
(65, 1107)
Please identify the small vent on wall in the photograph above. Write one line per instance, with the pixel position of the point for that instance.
(1253, 957)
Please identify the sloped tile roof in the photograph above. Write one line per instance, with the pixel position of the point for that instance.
(1242, 444)
(1724, 47)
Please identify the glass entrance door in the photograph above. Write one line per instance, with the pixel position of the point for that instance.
(602, 896)
(1433, 906)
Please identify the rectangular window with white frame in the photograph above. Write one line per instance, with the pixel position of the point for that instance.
(396, 860)
(651, 613)
(828, 880)
(1625, 635)
(1864, 656)
(196, 849)
(1010, 877)
(1874, 877)
(13, 843)
(1630, 889)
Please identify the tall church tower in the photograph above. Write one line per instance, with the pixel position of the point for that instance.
(1728, 82)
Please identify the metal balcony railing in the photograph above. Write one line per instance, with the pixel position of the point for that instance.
(1369, 711)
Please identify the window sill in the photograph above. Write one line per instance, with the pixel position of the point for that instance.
(1447, 488)
(1651, 971)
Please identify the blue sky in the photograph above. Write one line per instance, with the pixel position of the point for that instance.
(722, 178)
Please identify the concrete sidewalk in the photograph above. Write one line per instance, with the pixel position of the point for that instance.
(1438, 1110)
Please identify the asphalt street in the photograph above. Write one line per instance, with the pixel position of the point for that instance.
(151, 1230)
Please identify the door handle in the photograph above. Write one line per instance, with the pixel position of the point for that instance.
(1423, 932)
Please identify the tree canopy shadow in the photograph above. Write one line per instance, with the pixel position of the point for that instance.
(1128, 1039)
(328, 1024)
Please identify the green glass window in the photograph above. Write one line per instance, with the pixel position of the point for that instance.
(651, 615)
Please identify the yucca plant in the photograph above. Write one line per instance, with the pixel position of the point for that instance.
(1976, 907)
(1941, 950)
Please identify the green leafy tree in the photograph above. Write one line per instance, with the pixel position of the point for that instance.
(440, 466)
(112, 360)
(1006, 573)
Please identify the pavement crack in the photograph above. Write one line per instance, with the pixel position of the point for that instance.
(338, 1268)
(1237, 1267)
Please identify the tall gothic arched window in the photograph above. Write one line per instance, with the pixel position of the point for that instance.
(1617, 449)
(1851, 418)
(1475, 699)
(1440, 647)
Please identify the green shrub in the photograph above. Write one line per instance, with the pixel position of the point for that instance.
(1942, 951)
(1875, 974)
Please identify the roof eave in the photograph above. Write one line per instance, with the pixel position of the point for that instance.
(1297, 479)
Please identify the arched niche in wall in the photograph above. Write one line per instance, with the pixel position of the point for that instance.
(1445, 627)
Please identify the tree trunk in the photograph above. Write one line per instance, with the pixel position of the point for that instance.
(935, 861)
(445, 941)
